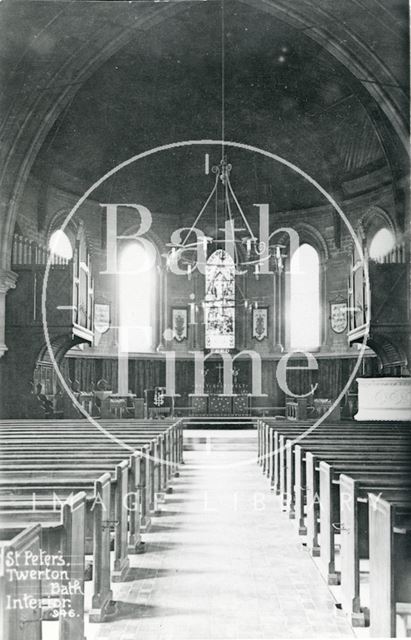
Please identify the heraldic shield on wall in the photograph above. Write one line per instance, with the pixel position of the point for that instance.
(338, 316)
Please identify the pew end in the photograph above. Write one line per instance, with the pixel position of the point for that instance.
(102, 606)
(121, 559)
(60, 592)
(390, 567)
(13, 619)
(403, 619)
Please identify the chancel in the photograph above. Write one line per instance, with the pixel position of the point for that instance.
(205, 343)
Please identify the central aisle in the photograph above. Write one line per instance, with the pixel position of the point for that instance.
(222, 560)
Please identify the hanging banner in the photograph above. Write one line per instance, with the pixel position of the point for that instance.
(179, 324)
(260, 323)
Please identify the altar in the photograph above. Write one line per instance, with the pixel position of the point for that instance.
(220, 404)
(214, 401)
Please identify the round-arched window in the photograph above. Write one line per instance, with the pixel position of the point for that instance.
(305, 298)
(60, 245)
(381, 244)
(137, 298)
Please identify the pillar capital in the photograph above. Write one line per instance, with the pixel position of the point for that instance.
(8, 280)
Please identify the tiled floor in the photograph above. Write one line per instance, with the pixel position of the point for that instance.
(222, 561)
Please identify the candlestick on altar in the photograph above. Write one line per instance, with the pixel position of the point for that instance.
(248, 246)
(192, 313)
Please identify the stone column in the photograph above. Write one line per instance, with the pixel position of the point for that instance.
(160, 313)
(7, 281)
(278, 312)
(405, 185)
(324, 308)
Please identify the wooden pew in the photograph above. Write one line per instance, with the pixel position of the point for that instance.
(168, 443)
(97, 460)
(55, 532)
(16, 622)
(390, 565)
(99, 510)
(121, 529)
(270, 432)
(329, 491)
(166, 447)
(58, 477)
(284, 441)
(354, 536)
(155, 474)
(366, 454)
(170, 431)
(384, 477)
(283, 474)
(276, 433)
(296, 481)
(61, 466)
(375, 457)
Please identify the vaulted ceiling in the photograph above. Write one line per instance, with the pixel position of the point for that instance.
(283, 93)
(323, 84)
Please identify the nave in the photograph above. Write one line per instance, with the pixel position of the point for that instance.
(222, 560)
(205, 220)
(207, 546)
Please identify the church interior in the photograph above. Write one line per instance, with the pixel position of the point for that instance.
(205, 342)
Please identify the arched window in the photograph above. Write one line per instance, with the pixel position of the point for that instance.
(137, 291)
(305, 298)
(60, 245)
(382, 243)
(220, 301)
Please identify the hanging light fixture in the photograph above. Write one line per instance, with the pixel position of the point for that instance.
(248, 252)
(254, 252)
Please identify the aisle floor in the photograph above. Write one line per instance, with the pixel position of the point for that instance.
(222, 560)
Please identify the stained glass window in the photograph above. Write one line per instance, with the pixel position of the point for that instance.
(220, 301)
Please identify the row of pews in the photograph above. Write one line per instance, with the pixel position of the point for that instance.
(75, 501)
(348, 486)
